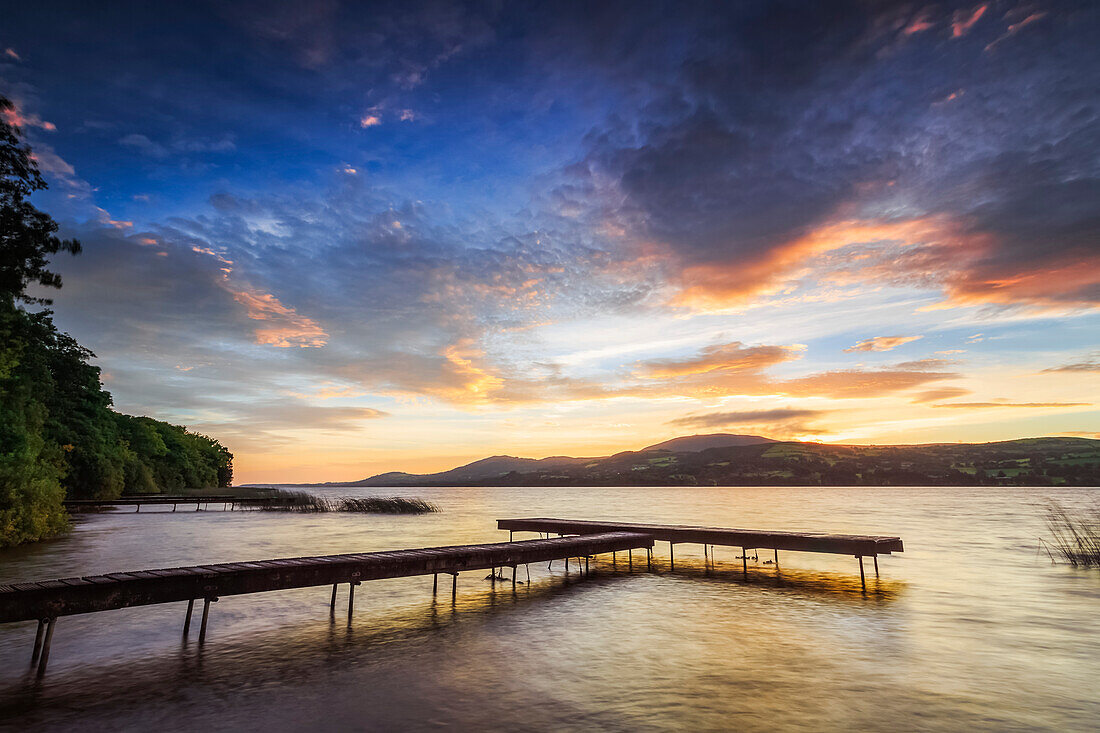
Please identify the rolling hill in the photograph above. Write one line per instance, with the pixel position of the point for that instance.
(746, 460)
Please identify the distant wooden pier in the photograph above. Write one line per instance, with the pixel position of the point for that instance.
(859, 546)
(228, 501)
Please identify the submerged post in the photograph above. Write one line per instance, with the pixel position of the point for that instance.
(454, 587)
(876, 564)
(777, 558)
(38, 640)
(744, 560)
(205, 612)
(862, 577)
(332, 601)
(351, 598)
(50, 622)
(187, 618)
(435, 583)
(671, 557)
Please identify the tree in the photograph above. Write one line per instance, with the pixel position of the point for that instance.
(27, 235)
(58, 434)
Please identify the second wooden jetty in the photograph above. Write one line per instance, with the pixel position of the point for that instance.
(859, 546)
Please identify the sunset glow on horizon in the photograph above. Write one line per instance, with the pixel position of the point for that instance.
(350, 241)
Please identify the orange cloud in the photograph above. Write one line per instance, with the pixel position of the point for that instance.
(370, 120)
(984, 405)
(921, 23)
(927, 252)
(945, 393)
(287, 328)
(725, 283)
(731, 357)
(881, 343)
(961, 23)
(17, 118)
(858, 383)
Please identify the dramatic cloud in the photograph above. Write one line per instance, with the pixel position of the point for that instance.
(881, 343)
(1091, 365)
(945, 393)
(612, 213)
(983, 405)
(732, 357)
(749, 417)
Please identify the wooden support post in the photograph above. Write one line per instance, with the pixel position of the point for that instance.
(138, 508)
(862, 577)
(332, 601)
(205, 613)
(528, 566)
(630, 559)
(351, 598)
(45, 658)
(510, 533)
(744, 561)
(187, 618)
(876, 564)
(671, 557)
(454, 587)
(586, 571)
(173, 507)
(777, 558)
(649, 558)
(613, 561)
(514, 577)
(38, 640)
(435, 583)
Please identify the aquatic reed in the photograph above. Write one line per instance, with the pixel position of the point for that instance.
(1075, 534)
(303, 501)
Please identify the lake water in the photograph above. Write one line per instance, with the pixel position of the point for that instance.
(970, 628)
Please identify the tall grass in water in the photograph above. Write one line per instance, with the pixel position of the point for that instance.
(303, 501)
(1075, 534)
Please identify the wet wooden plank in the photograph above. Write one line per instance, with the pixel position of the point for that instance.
(847, 544)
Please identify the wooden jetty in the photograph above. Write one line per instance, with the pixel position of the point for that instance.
(859, 546)
(47, 600)
(229, 501)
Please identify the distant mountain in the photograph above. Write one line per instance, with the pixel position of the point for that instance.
(696, 443)
(477, 472)
(747, 460)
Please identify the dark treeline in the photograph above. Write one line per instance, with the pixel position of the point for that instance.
(59, 436)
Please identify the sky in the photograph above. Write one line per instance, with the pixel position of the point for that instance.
(348, 238)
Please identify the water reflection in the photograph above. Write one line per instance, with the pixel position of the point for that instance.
(946, 638)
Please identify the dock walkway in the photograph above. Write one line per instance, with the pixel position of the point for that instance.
(859, 546)
(47, 600)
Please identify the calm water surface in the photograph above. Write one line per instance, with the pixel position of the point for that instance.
(970, 628)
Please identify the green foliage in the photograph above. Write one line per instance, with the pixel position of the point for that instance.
(27, 235)
(58, 434)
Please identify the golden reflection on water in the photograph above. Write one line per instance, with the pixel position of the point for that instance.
(967, 629)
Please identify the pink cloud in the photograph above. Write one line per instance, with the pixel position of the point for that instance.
(961, 23)
(881, 343)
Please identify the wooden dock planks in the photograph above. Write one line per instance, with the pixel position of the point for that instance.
(840, 544)
(68, 596)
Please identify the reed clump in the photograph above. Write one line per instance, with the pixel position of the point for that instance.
(1074, 534)
(303, 501)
